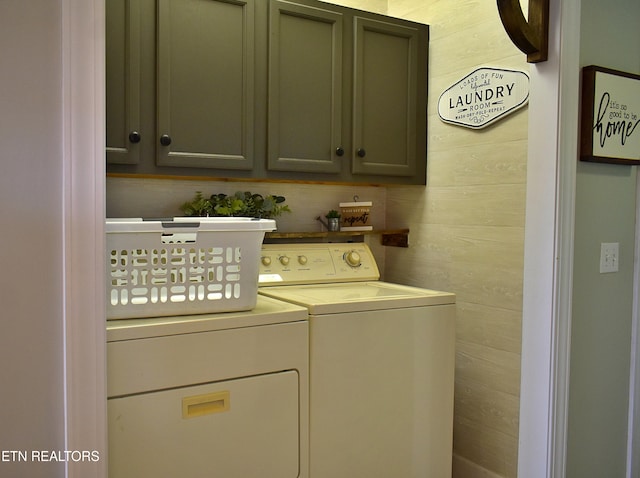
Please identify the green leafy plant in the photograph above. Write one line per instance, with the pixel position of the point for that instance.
(332, 213)
(241, 204)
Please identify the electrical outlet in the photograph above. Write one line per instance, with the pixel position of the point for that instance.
(609, 254)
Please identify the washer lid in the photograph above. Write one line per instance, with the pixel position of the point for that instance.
(342, 297)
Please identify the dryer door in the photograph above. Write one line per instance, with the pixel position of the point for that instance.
(240, 428)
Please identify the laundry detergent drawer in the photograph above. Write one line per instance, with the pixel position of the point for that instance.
(242, 428)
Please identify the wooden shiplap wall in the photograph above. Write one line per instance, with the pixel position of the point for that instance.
(467, 233)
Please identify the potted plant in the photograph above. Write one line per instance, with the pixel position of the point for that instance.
(333, 220)
(241, 204)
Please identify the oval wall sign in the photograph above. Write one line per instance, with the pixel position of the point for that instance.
(483, 97)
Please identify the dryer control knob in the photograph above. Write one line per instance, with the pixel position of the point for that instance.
(302, 260)
(266, 260)
(353, 259)
(284, 260)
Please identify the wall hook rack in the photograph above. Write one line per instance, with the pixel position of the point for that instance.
(530, 35)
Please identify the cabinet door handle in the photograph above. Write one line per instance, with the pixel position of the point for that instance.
(361, 153)
(134, 137)
(339, 151)
(165, 140)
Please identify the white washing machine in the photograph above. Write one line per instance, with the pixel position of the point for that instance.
(381, 363)
(218, 395)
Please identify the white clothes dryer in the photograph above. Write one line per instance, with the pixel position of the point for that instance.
(381, 362)
(221, 394)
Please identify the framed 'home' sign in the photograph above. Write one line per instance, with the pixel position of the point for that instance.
(610, 129)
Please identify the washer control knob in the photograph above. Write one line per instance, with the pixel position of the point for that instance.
(302, 260)
(352, 258)
(266, 260)
(284, 260)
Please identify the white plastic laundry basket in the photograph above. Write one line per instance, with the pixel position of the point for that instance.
(183, 265)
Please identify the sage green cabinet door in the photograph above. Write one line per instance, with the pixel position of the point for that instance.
(347, 94)
(386, 122)
(305, 88)
(205, 104)
(123, 81)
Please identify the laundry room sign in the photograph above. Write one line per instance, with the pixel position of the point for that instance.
(483, 97)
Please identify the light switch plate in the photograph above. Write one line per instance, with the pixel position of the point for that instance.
(609, 255)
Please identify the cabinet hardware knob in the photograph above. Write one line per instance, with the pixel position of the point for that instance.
(361, 153)
(134, 137)
(339, 151)
(165, 140)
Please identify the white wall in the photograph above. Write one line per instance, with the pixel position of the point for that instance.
(52, 345)
(602, 303)
(31, 194)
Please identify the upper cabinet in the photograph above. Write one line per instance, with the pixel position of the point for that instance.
(123, 81)
(180, 84)
(305, 131)
(347, 93)
(205, 101)
(389, 103)
(263, 89)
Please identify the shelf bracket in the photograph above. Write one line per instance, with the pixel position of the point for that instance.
(530, 36)
(400, 239)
